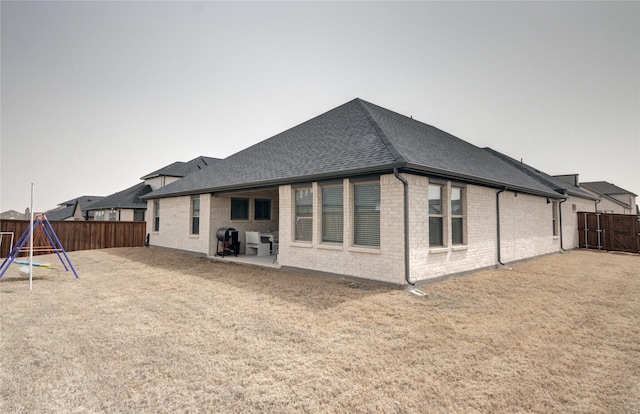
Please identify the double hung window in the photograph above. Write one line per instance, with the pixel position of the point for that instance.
(435, 216)
(366, 214)
(332, 214)
(304, 214)
(156, 215)
(195, 215)
(457, 234)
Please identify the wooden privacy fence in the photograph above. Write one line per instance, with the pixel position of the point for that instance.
(619, 232)
(81, 235)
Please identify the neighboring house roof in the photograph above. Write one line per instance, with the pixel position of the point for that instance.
(603, 187)
(608, 191)
(67, 209)
(61, 213)
(559, 185)
(13, 215)
(182, 169)
(129, 198)
(354, 139)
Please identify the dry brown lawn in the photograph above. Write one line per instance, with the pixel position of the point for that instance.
(147, 330)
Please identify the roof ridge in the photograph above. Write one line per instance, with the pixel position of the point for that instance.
(381, 134)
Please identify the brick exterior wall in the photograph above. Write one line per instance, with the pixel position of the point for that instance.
(175, 224)
(525, 220)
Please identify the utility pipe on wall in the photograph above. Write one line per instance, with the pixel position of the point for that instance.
(498, 222)
(407, 269)
(560, 220)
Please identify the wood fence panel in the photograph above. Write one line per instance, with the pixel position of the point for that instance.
(620, 232)
(82, 235)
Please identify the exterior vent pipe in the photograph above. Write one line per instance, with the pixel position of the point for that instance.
(407, 269)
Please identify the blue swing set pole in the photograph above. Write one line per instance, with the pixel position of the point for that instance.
(59, 245)
(53, 240)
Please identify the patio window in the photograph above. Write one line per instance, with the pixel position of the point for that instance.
(262, 209)
(304, 214)
(332, 214)
(156, 215)
(366, 214)
(435, 216)
(239, 209)
(457, 233)
(195, 215)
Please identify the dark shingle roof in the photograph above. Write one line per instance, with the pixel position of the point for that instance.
(603, 187)
(62, 213)
(67, 209)
(559, 185)
(355, 138)
(129, 198)
(182, 169)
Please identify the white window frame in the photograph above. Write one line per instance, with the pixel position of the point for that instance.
(302, 222)
(367, 216)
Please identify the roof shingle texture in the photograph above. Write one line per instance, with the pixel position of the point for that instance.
(129, 198)
(353, 138)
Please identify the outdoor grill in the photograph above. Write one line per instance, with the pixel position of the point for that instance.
(228, 243)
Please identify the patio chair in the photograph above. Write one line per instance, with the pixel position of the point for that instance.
(255, 244)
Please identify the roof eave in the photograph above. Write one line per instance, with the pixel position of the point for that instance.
(280, 181)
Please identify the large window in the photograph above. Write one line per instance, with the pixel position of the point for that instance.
(435, 216)
(262, 210)
(457, 233)
(156, 215)
(195, 215)
(239, 209)
(332, 214)
(304, 214)
(366, 214)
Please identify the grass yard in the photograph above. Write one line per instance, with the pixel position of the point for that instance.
(148, 330)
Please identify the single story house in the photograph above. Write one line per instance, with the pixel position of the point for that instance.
(128, 205)
(366, 192)
(73, 210)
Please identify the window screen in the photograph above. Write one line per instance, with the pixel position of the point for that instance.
(366, 214)
(332, 214)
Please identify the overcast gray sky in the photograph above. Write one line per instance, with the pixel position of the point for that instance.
(97, 94)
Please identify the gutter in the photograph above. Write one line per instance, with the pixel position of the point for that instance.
(560, 221)
(407, 269)
(498, 223)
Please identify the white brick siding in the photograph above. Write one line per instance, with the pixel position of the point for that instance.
(175, 224)
(525, 221)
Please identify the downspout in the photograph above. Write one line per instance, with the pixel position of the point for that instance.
(407, 269)
(498, 222)
(596, 205)
(560, 219)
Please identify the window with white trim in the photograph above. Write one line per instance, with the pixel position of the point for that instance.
(436, 232)
(332, 214)
(113, 215)
(457, 222)
(156, 215)
(366, 214)
(304, 214)
(195, 215)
